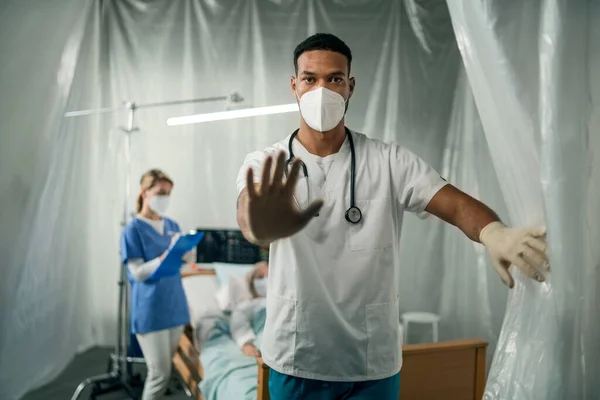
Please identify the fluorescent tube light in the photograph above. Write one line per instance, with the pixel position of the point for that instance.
(232, 114)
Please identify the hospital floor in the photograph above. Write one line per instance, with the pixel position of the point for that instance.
(91, 363)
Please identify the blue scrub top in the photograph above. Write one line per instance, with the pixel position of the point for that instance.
(155, 304)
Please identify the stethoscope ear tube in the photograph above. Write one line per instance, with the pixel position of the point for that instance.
(353, 214)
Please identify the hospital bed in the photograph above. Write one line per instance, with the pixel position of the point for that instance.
(453, 370)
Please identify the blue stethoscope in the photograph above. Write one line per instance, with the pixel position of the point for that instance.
(353, 214)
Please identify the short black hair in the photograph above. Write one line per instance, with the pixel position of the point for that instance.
(322, 41)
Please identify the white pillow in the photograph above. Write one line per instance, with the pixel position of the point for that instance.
(238, 291)
(200, 291)
(226, 270)
(229, 295)
(204, 309)
(222, 297)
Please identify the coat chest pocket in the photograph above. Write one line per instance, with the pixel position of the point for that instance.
(375, 230)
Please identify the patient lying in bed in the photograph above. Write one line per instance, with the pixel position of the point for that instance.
(242, 316)
(228, 353)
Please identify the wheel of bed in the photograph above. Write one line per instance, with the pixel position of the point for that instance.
(453, 370)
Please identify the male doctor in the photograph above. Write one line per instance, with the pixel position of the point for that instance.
(333, 216)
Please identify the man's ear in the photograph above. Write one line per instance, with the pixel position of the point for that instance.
(293, 85)
(352, 84)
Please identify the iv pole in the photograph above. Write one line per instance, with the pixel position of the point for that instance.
(120, 362)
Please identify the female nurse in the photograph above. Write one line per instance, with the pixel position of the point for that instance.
(159, 308)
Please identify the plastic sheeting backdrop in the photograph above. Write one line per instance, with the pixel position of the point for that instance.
(534, 70)
(64, 205)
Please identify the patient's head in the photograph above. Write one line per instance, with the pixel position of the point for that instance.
(257, 279)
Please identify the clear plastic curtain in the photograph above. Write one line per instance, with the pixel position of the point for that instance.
(43, 295)
(406, 63)
(472, 299)
(534, 74)
(66, 179)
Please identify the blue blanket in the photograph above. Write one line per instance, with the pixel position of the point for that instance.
(228, 373)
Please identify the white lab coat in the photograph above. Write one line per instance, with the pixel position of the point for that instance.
(332, 306)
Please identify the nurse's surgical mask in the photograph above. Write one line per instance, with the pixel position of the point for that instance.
(159, 203)
(322, 109)
(260, 285)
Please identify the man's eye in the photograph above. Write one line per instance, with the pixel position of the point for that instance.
(337, 80)
(309, 80)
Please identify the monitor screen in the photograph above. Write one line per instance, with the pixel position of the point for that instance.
(227, 246)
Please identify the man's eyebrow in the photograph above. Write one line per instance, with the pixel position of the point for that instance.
(334, 73)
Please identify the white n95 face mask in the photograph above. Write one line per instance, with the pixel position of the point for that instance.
(322, 109)
(260, 285)
(159, 204)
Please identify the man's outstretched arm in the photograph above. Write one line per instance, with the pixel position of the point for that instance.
(525, 248)
(461, 210)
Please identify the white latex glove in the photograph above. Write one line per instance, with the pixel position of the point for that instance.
(526, 248)
(173, 240)
(272, 213)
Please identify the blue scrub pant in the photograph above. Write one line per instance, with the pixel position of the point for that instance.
(286, 387)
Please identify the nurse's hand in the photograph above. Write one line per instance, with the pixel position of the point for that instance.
(189, 257)
(250, 350)
(526, 248)
(271, 210)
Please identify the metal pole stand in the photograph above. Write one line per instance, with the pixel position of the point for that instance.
(119, 375)
(115, 379)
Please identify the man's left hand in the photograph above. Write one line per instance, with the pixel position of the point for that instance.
(526, 248)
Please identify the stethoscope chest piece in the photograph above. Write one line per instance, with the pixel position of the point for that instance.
(353, 215)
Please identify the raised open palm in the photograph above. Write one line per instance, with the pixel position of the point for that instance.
(272, 212)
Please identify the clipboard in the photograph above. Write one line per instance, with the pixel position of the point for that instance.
(171, 264)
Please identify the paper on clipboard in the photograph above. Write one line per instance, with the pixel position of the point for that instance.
(171, 264)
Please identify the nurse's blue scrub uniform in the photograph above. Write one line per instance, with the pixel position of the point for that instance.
(155, 304)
